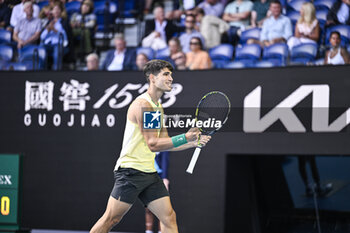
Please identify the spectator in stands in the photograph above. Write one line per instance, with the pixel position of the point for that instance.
(259, 13)
(277, 28)
(141, 60)
(120, 58)
(45, 14)
(92, 62)
(212, 7)
(83, 25)
(182, 8)
(147, 6)
(53, 34)
(179, 59)
(18, 13)
(336, 55)
(174, 46)
(189, 33)
(211, 27)
(339, 13)
(237, 14)
(163, 28)
(5, 15)
(307, 29)
(197, 58)
(27, 30)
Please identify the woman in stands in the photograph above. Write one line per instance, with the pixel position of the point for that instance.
(336, 55)
(83, 26)
(174, 46)
(197, 58)
(307, 29)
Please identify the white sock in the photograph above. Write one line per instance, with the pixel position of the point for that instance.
(148, 231)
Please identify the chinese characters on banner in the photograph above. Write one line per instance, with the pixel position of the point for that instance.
(75, 96)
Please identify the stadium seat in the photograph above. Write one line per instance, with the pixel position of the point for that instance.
(105, 12)
(146, 50)
(222, 52)
(323, 4)
(28, 53)
(265, 64)
(319, 62)
(5, 36)
(321, 16)
(248, 51)
(304, 53)
(253, 33)
(344, 31)
(72, 7)
(293, 16)
(18, 66)
(221, 55)
(236, 65)
(6, 52)
(127, 9)
(295, 5)
(163, 53)
(275, 52)
(284, 5)
(42, 4)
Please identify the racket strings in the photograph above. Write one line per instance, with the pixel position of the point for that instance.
(214, 107)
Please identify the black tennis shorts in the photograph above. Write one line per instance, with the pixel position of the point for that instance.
(131, 184)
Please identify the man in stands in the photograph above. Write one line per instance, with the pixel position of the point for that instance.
(277, 28)
(18, 13)
(120, 58)
(27, 30)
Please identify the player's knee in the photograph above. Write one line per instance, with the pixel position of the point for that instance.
(170, 219)
(111, 221)
(115, 220)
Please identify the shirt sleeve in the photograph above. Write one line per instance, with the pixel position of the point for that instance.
(228, 8)
(287, 29)
(13, 20)
(60, 29)
(16, 29)
(38, 26)
(92, 21)
(250, 6)
(43, 35)
(36, 11)
(263, 33)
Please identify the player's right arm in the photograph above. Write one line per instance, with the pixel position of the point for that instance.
(154, 143)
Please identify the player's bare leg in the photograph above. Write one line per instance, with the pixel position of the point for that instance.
(165, 213)
(149, 219)
(115, 211)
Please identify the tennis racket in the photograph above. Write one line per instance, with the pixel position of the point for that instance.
(214, 107)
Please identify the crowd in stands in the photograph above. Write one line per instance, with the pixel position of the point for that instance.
(194, 34)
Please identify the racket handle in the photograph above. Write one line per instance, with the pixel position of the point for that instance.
(193, 160)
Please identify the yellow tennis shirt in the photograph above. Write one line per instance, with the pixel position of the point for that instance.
(135, 152)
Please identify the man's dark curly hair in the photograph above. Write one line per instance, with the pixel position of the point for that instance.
(155, 66)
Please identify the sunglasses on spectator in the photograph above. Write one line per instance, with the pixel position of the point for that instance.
(189, 21)
(179, 57)
(194, 43)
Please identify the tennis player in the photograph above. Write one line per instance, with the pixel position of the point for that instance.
(135, 174)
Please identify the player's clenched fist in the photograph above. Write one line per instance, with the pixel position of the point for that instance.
(204, 139)
(192, 134)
